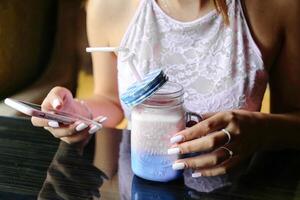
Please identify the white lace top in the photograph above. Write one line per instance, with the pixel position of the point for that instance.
(219, 66)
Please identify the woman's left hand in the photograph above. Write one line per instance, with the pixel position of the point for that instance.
(225, 139)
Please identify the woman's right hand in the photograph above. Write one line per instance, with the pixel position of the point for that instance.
(61, 99)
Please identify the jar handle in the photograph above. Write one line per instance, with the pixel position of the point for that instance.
(192, 118)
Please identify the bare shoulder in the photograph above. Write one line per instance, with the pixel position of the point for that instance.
(274, 9)
(108, 10)
(284, 76)
(290, 10)
(109, 18)
(269, 21)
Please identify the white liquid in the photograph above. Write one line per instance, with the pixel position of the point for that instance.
(152, 129)
(154, 122)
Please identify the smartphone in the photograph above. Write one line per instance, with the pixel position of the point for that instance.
(34, 110)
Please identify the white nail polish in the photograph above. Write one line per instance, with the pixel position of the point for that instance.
(55, 103)
(94, 129)
(178, 166)
(196, 174)
(173, 151)
(175, 139)
(81, 127)
(102, 119)
(53, 124)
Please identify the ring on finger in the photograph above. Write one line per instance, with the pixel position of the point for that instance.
(228, 150)
(228, 135)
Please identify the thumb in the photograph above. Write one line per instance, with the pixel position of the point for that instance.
(57, 98)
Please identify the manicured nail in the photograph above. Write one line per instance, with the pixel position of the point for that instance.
(53, 124)
(81, 127)
(172, 151)
(178, 166)
(103, 119)
(94, 129)
(196, 174)
(55, 103)
(175, 139)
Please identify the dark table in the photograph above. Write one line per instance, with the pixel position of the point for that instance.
(33, 164)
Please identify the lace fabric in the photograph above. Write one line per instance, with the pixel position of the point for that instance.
(219, 66)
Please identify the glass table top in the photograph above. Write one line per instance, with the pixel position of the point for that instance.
(35, 165)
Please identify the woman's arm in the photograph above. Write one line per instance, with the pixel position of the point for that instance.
(105, 100)
(284, 123)
(227, 138)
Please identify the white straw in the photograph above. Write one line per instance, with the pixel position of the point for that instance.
(105, 49)
(117, 49)
(132, 68)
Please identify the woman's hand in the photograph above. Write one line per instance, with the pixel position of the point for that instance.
(61, 99)
(224, 139)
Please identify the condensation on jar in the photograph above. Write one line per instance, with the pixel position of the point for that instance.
(153, 123)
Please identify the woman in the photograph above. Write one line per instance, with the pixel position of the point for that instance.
(222, 52)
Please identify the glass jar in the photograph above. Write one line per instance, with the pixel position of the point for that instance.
(153, 123)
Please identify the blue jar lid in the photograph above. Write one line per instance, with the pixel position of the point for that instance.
(141, 90)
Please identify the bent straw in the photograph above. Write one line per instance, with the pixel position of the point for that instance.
(105, 49)
(117, 49)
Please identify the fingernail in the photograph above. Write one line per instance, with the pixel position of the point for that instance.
(94, 129)
(55, 103)
(53, 124)
(196, 174)
(175, 139)
(102, 119)
(81, 127)
(178, 166)
(172, 151)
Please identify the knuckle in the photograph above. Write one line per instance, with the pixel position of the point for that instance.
(191, 133)
(231, 116)
(185, 148)
(208, 126)
(213, 160)
(237, 130)
(211, 143)
(191, 163)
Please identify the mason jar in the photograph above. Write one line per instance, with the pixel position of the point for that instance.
(153, 123)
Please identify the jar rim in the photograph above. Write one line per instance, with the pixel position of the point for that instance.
(163, 107)
(161, 97)
(180, 91)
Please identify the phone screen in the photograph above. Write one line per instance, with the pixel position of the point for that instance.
(32, 105)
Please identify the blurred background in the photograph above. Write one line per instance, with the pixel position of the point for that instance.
(42, 45)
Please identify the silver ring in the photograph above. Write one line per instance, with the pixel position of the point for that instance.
(228, 135)
(228, 150)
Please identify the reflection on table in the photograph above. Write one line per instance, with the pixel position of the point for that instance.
(34, 164)
(71, 176)
(269, 175)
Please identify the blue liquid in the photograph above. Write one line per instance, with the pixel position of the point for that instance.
(154, 167)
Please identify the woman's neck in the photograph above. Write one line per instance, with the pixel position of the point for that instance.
(186, 10)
